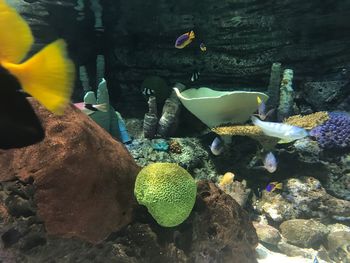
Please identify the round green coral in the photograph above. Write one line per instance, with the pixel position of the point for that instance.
(168, 191)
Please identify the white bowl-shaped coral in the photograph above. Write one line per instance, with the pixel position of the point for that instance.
(214, 107)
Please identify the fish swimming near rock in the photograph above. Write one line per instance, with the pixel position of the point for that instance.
(217, 146)
(184, 40)
(287, 133)
(262, 109)
(273, 186)
(48, 76)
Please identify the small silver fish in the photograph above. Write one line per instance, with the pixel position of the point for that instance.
(270, 162)
(217, 146)
(287, 133)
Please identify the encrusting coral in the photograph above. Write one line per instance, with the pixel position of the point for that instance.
(335, 132)
(309, 121)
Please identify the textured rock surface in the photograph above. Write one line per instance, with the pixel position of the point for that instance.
(303, 198)
(338, 246)
(303, 233)
(79, 173)
(267, 233)
(218, 230)
(223, 227)
(243, 37)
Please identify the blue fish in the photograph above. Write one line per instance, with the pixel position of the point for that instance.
(262, 109)
(217, 146)
(270, 162)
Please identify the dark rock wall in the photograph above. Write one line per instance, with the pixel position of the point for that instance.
(243, 39)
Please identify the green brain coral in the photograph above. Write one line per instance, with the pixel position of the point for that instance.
(168, 191)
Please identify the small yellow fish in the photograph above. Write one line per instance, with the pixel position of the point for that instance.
(226, 179)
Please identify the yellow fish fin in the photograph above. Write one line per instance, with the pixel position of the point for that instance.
(191, 35)
(259, 100)
(16, 37)
(48, 76)
(279, 186)
(284, 141)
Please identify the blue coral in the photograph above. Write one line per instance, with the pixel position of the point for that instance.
(335, 132)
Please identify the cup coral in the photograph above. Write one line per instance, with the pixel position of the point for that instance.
(335, 132)
(168, 191)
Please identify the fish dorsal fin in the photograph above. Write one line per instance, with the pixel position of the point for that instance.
(16, 38)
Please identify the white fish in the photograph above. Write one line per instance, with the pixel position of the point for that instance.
(217, 146)
(287, 133)
(270, 162)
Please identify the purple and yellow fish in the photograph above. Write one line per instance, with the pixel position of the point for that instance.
(203, 47)
(184, 40)
(274, 186)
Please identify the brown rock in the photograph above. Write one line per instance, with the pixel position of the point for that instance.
(84, 178)
(222, 231)
(4, 215)
(267, 234)
(304, 233)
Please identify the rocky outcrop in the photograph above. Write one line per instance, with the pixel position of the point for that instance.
(218, 230)
(81, 178)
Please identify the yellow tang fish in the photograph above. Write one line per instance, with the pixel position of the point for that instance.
(48, 76)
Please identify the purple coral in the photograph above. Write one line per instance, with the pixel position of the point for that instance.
(335, 132)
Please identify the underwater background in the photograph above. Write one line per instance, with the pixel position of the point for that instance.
(182, 175)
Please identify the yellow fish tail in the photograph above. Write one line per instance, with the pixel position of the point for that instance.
(16, 37)
(191, 35)
(48, 76)
(259, 100)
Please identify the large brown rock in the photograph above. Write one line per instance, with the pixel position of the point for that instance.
(222, 231)
(83, 178)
